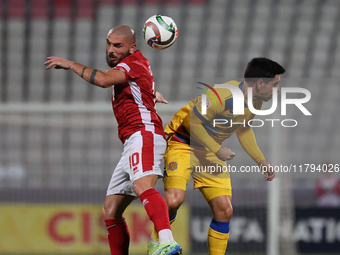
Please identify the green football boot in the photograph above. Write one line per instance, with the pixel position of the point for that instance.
(164, 249)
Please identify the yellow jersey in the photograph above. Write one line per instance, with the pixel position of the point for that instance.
(191, 127)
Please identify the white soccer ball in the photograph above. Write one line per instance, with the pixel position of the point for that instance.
(160, 31)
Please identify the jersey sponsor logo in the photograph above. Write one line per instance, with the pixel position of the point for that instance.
(172, 166)
(125, 66)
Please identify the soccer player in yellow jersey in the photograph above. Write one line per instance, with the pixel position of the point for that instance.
(194, 142)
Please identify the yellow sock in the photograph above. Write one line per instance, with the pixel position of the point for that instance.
(154, 231)
(155, 234)
(218, 239)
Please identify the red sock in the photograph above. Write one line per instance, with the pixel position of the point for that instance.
(156, 208)
(119, 237)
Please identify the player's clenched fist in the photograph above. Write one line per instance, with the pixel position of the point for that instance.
(225, 154)
(267, 169)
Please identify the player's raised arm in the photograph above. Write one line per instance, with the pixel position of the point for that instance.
(93, 76)
(120, 43)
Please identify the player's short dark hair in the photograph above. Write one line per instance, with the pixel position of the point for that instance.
(262, 68)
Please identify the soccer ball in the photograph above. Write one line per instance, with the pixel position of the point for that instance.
(160, 31)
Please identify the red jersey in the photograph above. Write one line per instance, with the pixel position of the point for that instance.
(133, 101)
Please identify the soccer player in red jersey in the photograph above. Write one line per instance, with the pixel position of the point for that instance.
(140, 130)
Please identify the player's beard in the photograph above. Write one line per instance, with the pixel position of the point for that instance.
(114, 63)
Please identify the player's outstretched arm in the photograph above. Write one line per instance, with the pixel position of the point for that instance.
(247, 139)
(95, 77)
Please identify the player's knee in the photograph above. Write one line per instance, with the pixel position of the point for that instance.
(223, 212)
(105, 213)
(174, 204)
(174, 201)
(227, 212)
(110, 212)
(144, 183)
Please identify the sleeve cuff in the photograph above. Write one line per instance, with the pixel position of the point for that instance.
(259, 159)
(215, 148)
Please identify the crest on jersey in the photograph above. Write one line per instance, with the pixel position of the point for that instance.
(172, 166)
(208, 103)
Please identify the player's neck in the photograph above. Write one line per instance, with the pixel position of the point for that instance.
(245, 87)
(245, 91)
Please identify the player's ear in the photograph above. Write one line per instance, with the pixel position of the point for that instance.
(132, 48)
(259, 84)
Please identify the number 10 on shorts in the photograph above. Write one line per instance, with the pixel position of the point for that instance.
(134, 161)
